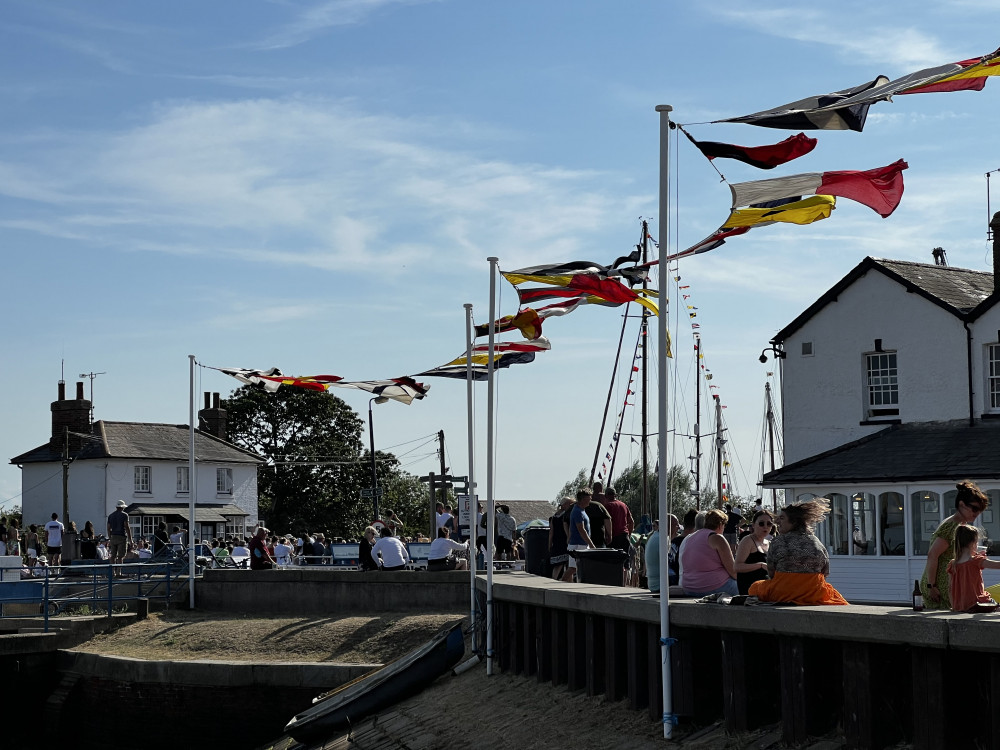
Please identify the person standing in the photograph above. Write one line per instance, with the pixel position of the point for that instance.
(579, 531)
(970, 501)
(53, 540)
(3, 535)
(13, 539)
(600, 522)
(260, 558)
(622, 522)
(506, 526)
(119, 533)
(88, 542)
(558, 556)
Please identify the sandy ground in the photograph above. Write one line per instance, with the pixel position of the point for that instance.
(177, 634)
(501, 711)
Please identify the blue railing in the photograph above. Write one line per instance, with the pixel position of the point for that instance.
(97, 586)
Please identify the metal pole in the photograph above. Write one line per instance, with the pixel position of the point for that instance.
(490, 460)
(192, 486)
(473, 527)
(371, 448)
(663, 467)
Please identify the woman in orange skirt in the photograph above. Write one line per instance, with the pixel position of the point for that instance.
(797, 561)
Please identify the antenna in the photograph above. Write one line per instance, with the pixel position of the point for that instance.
(91, 375)
(989, 214)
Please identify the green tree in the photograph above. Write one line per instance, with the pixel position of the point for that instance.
(582, 479)
(316, 465)
(628, 486)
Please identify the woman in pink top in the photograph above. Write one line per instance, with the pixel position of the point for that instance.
(707, 565)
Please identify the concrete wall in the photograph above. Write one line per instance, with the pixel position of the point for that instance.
(237, 704)
(315, 591)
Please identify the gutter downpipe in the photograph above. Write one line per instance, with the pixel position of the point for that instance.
(663, 468)
(968, 358)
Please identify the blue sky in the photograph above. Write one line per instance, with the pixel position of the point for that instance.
(317, 186)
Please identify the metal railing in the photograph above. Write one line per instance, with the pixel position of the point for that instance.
(99, 587)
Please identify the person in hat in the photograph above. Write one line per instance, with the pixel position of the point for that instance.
(120, 534)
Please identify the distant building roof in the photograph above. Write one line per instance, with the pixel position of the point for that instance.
(960, 291)
(202, 513)
(529, 510)
(918, 451)
(142, 440)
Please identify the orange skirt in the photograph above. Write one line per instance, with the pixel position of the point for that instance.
(797, 588)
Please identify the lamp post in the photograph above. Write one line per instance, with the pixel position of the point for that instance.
(371, 446)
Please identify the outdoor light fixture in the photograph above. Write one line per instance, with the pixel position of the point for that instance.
(776, 352)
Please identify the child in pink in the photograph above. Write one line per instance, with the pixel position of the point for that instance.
(965, 573)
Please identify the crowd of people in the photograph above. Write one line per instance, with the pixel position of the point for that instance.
(774, 556)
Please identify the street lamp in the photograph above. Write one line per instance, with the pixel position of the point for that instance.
(371, 446)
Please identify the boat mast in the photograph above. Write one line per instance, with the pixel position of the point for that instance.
(697, 421)
(770, 438)
(718, 451)
(644, 505)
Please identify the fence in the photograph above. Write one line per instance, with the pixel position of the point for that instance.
(50, 591)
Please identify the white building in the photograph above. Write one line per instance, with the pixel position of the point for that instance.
(890, 396)
(146, 465)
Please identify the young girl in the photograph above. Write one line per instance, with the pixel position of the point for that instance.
(965, 573)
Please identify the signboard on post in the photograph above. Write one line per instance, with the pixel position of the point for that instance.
(466, 514)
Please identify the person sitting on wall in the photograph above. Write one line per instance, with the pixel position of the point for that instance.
(442, 552)
(706, 559)
(390, 553)
(797, 561)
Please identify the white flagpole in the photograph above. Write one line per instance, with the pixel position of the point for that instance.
(664, 468)
(490, 517)
(192, 486)
(473, 527)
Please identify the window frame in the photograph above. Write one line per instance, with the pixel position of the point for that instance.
(890, 373)
(183, 487)
(224, 480)
(992, 373)
(142, 480)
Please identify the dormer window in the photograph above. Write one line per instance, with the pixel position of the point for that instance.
(882, 385)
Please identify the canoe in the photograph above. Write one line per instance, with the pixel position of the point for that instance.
(397, 680)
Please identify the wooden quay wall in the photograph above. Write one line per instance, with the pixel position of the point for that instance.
(876, 674)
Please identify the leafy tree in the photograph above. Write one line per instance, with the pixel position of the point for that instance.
(316, 462)
(628, 486)
(582, 479)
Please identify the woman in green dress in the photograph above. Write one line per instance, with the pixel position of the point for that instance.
(970, 501)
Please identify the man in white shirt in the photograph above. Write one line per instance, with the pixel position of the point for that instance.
(441, 516)
(144, 551)
(53, 540)
(389, 552)
(283, 552)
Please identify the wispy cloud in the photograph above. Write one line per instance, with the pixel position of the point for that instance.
(861, 35)
(318, 18)
(307, 182)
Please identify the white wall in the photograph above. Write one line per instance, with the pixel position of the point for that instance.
(42, 492)
(96, 486)
(823, 395)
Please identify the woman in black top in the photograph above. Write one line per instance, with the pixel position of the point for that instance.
(365, 559)
(160, 538)
(751, 553)
(88, 544)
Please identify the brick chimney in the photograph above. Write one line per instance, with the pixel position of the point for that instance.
(995, 228)
(74, 414)
(212, 419)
